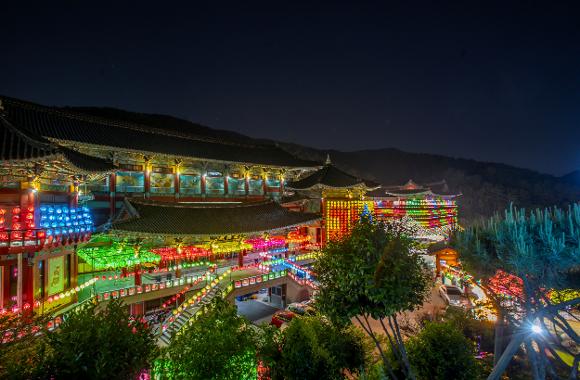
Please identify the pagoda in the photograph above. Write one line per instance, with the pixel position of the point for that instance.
(340, 195)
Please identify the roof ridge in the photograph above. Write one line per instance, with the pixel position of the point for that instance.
(183, 205)
(121, 124)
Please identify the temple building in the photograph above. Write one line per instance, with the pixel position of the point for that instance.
(158, 162)
(340, 196)
(163, 198)
(101, 204)
(41, 220)
(432, 206)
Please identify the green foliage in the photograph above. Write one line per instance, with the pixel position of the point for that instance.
(373, 271)
(218, 345)
(22, 357)
(314, 348)
(441, 352)
(542, 246)
(100, 344)
(479, 331)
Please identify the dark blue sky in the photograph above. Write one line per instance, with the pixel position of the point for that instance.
(495, 82)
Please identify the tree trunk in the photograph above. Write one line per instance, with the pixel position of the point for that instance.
(507, 356)
(498, 341)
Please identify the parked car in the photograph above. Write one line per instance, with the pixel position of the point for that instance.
(282, 317)
(301, 308)
(453, 296)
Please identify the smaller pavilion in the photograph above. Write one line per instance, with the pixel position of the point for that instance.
(340, 196)
(432, 205)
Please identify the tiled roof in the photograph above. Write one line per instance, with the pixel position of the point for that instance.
(86, 163)
(22, 145)
(209, 219)
(19, 145)
(73, 126)
(413, 189)
(296, 197)
(329, 176)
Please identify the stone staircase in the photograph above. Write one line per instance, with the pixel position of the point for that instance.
(186, 314)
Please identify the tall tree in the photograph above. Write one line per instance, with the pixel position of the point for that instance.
(100, 344)
(373, 273)
(312, 348)
(22, 345)
(522, 256)
(440, 351)
(219, 344)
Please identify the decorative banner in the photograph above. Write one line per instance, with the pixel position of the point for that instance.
(273, 182)
(130, 182)
(189, 184)
(56, 275)
(236, 186)
(214, 185)
(255, 187)
(161, 182)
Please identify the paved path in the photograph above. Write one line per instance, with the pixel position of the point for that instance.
(432, 305)
(255, 311)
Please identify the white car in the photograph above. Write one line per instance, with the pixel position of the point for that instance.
(453, 296)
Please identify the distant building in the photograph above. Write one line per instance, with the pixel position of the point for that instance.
(431, 205)
(341, 198)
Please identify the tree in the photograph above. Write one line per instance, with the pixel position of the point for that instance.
(522, 257)
(441, 352)
(99, 344)
(479, 331)
(373, 273)
(219, 344)
(22, 346)
(312, 348)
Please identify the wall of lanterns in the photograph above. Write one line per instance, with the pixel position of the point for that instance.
(429, 212)
(340, 215)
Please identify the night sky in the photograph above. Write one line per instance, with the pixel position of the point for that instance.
(490, 82)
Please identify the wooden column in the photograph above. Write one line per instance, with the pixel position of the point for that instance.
(203, 185)
(75, 272)
(226, 184)
(264, 185)
(3, 285)
(176, 184)
(74, 193)
(247, 184)
(147, 182)
(176, 179)
(281, 185)
(19, 280)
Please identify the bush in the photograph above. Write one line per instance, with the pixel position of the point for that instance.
(313, 348)
(441, 352)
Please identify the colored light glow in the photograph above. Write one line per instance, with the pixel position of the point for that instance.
(507, 285)
(219, 247)
(341, 215)
(430, 212)
(181, 253)
(116, 256)
(266, 243)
